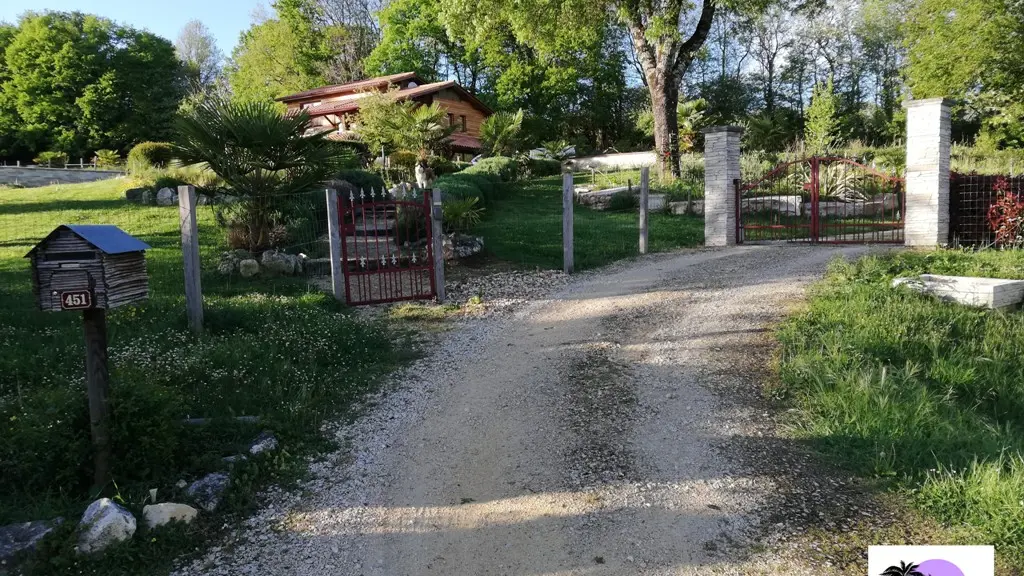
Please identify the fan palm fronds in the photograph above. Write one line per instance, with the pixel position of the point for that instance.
(500, 132)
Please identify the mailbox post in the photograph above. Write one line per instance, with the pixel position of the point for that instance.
(91, 268)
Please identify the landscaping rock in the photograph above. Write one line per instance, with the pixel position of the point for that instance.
(265, 442)
(278, 263)
(692, 207)
(228, 263)
(248, 268)
(167, 512)
(207, 491)
(134, 194)
(401, 190)
(232, 460)
(166, 197)
(455, 246)
(785, 205)
(104, 524)
(16, 538)
(203, 200)
(148, 198)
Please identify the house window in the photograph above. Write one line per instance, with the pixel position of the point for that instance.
(451, 119)
(463, 118)
(308, 105)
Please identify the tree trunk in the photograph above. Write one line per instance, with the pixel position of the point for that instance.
(664, 90)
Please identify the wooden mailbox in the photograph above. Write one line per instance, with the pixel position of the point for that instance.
(91, 268)
(81, 267)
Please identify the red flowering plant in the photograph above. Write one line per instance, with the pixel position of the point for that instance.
(1006, 215)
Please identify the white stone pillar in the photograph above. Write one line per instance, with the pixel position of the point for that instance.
(721, 171)
(926, 222)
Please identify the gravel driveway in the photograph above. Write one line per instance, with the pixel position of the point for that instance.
(613, 428)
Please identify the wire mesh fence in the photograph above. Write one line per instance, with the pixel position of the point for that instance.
(278, 245)
(971, 197)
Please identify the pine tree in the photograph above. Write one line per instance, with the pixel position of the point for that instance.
(821, 126)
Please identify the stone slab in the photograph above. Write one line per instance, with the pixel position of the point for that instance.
(994, 293)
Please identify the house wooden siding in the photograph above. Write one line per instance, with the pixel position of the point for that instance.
(451, 97)
(458, 107)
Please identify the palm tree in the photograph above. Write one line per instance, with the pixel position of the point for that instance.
(902, 570)
(500, 132)
(691, 115)
(261, 155)
(421, 127)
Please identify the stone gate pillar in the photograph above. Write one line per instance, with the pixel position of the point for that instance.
(927, 176)
(721, 170)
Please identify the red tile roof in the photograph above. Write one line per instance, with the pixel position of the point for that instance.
(404, 94)
(352, 86)
(465, 142)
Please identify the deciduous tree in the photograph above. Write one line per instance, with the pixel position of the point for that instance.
(75, 83)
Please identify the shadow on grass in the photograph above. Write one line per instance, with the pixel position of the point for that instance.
(60, 206)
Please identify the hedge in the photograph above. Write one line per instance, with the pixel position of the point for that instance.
(505, 169)
(148, 155)
(362, 179)
(543, 167)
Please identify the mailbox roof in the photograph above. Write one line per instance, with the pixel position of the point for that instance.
(108, 238)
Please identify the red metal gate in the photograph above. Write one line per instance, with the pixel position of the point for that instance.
(387, 246)
(835, 200)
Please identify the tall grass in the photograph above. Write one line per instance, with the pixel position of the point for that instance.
(924, 394)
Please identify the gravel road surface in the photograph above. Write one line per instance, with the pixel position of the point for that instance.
(612, 427)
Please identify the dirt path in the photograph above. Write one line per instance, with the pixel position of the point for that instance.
(608, 430)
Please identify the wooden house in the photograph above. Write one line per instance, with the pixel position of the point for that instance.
(85, 266)
(334, 107)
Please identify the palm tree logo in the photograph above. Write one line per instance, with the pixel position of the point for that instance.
(903, 569)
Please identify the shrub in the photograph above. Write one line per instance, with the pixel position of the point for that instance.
(502, 167)
(624, 201)
(458, 186)
(404, 159)
(441, 165)
(461, 214)
(1006, 216)
(107, 158)
(543, 167)
(148, 155)
(55, 159)
(362, 179)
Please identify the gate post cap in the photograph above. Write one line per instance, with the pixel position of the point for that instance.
(715, 129)
(947, 102)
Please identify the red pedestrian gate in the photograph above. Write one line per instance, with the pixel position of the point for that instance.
(387, 246)
(834, 200)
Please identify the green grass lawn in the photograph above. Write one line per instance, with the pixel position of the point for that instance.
(926, 396)
(524, 226)
(277, 350)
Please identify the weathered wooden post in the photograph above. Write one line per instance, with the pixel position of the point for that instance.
(645, 176)
(334, 232)
(437, 233)
(91, 268)
(567, 202)
(190, 252)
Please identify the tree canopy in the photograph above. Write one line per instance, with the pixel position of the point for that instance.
(75, 83)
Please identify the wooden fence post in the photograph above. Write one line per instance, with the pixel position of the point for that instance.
(190, 251)
(437, 232)
(334, 233)
(645, 184)
(567, 202)
(97, 382)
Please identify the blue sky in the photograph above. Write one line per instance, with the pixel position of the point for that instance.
(225, 18)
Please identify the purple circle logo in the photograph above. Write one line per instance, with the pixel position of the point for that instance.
(927, 568)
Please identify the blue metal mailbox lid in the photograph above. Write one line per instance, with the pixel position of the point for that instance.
(106, 237)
